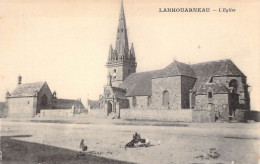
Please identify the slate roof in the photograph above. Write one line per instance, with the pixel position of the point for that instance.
(119, 92)
(138, 84)
(204, 71)
(68, 103)
(27, 89)
(175, 69)
(216, 88)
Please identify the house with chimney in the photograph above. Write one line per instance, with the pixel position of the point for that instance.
(28, 99)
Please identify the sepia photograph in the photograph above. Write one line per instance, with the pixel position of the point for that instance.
(128, 81)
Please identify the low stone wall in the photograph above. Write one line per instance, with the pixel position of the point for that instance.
(97, 113)
(252, 115)
(202, 116)
(245, 115)
(56, 113)
(162, 115)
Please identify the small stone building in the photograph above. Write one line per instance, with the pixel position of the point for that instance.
(214, 90)
(28, 99)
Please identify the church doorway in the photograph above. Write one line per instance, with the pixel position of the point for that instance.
(233, 103)
(109, 107)
(44, 102)
(234, 97)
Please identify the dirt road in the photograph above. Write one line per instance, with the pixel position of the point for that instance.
(194, 143)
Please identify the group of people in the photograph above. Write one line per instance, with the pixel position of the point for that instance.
(137, 141)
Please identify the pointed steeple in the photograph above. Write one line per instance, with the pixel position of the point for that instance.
(132, 51)
(121, 60)
(121, 38)
(110, 54)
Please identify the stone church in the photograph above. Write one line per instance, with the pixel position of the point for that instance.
(215, 85)
(28, 99)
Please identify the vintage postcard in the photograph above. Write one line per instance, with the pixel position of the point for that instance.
(128, 81)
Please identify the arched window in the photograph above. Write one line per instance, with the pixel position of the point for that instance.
(134, 103)
(114, 74)
(233, 83)
(44, 100)
(165, 96)
(209, 94)
(149, 100)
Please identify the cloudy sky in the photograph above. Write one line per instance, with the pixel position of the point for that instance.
(66, 42)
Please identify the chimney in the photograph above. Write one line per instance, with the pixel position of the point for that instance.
(19, 80)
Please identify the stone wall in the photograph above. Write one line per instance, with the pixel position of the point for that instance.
(162, 115)
(226, 79)
(21, 107)
(218, 106)
(203, 116)
(244, 99)
(121, 72)
(60, 113)
(202, 101)
(99, 113)
(141, 102)
(123, 103)
(187, 83)
(252, 115)
(245, 115)
(127, 70)
(119, 75)
(173, 86)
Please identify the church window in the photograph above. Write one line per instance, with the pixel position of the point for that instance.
(129, 71)
(122, 30)
(165, 96)
(44, 100)
(209, 94)
(149, 100)
(114, 74)
(134, 103)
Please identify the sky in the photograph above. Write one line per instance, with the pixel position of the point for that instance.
(66, 42)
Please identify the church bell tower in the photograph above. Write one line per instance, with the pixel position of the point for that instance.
(121, 60)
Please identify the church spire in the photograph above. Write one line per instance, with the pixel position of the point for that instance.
(121, 60)
(121, 38)
(132, 51)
